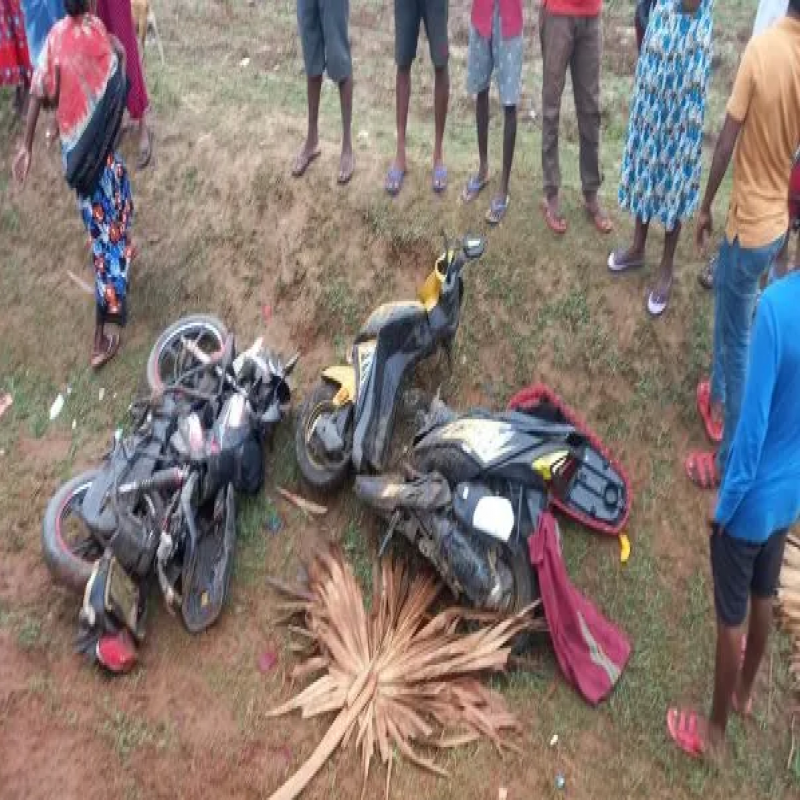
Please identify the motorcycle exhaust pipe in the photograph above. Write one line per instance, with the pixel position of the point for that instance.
(159, 481)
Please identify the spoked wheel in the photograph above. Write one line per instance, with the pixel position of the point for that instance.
(323, 473)
(70, 549)
(171, 363)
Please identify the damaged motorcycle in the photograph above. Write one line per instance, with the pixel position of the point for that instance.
(161, 508)
(348, 418)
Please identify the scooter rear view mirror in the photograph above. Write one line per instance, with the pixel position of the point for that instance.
(474, 246)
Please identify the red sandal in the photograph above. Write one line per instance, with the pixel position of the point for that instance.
(714, 429)
(684, 729)
(701, 469)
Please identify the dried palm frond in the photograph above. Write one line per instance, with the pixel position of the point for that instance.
(396, 676)
(789, 603)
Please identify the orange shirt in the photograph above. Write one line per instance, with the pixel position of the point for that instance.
(766, 100)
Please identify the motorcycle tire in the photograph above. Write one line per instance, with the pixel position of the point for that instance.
(67, 568)
(324, 478)
(194, 322)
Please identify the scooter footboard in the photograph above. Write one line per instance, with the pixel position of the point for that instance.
(596, 493)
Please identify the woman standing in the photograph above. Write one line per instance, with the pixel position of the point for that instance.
(82, 74)
(15, 62)
(117, 16)
(662, 160)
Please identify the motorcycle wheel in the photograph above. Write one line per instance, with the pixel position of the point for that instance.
(320, 473)
(526, 587)
(168, 358)
(70, 557)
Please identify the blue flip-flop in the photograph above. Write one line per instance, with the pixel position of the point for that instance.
(474, 186)
(394, 180)
(439, 183)
(497, 210)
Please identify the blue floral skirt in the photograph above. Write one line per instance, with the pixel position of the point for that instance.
(662, 161)
(108, 216)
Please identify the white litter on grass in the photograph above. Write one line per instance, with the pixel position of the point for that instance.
(245, 62)
(69, 391)
(363, 136)
(74, 424)
(56, 408)
(101, 394)
(554, 740)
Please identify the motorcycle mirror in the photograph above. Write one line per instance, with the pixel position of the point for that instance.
(291, 364)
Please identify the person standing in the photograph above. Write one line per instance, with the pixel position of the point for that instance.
(571, 36)
(761, 132)
(15, 61)
(325, 38)
(663, 153)
(408, 15)
(81, 72)
(495, 46)
(758, 501)
(117, 16)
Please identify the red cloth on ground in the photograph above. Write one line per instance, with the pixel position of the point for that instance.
(15, 62)
(591, 652)
(118, 18)
(510, 18)
(574, 8)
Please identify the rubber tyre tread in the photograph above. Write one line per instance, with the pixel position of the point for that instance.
(320, 479)
(67, 569)
(154, 381)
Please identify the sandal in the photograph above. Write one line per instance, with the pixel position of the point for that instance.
(102, 357)
(701, 469)
(394, 180)
(497, 210)
(617, 263)
(439, 183)
(657, 305)
(145, 153)
(684, 729)
(556, 222)
(303, 160)
(600, 219)
(714, 429)
(474, 186)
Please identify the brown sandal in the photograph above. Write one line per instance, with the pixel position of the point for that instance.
(556, 222)
(600, 219)
(101, 357)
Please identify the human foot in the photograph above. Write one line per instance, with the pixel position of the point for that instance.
(145, 147)
(598, 216)
(302, 160)
(347, 164)
(395, 177)
(552, 215)
(693, 734)
(701, 469)
(658, 299)
(624, 260)
(105, 348)
(475, 184)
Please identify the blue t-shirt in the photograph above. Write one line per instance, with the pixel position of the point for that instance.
(760, 492)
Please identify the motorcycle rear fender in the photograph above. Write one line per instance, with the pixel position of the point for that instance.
(345, 378)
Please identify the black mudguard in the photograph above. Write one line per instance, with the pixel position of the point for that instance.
(207, 572)
(596, 493)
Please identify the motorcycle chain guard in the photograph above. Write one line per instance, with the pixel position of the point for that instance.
(207, 574)
(598, 479)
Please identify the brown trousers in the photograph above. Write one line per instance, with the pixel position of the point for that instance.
(577, 43)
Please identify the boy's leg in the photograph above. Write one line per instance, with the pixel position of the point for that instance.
(435, 14)
(726, 253)
(309, 22)
(508, 61)
(766, 573)
(556, 33)
(335, 21)
(479, 75)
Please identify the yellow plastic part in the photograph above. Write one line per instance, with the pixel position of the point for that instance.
(431, 290)
(624, 548)
(544, 465)
(345, 379)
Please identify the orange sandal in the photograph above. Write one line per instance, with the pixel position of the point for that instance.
(701, 469)
(557, 224)
(714, 429)
(684, 730)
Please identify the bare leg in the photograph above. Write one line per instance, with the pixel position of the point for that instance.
(661, 290)
(145, 144)
(311, 146)
(635, 253)
(441, 99)
(509, 143)
(726, 670)
(346, 162)
(757, 637)
(482, 124)
(402, 99)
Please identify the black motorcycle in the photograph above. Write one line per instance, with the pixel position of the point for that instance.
(348, 418)
(476, 487)
(162, 505)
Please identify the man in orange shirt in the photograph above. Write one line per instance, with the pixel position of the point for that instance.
(761, 133)
(571, 36)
